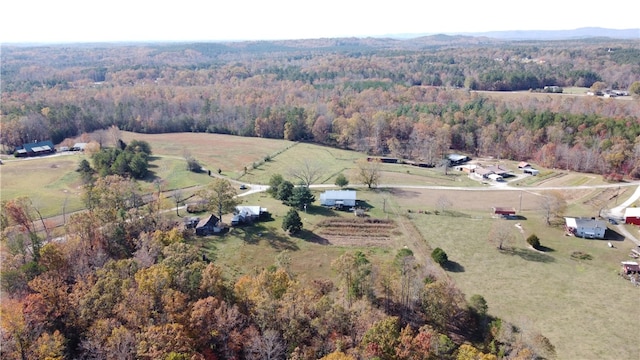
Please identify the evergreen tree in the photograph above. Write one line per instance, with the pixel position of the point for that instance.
(274, 183)
(285, 189)
(300, 196)
(85, 170)
(292, 222)
(341, 180)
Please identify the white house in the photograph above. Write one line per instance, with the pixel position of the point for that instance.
(589, 228)
(339, 198)
(247, 214)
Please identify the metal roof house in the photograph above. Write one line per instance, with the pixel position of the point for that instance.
(339, 198)
(35, 149)
(588, 228)
(457, 159)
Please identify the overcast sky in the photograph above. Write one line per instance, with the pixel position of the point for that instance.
(176, 20)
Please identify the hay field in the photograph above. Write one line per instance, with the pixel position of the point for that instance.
(213, 151)
(51, 183)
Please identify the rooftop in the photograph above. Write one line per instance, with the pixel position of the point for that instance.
(340, 194)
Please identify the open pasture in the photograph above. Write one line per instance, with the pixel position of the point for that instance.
(229, 153)
(331, 162)
(51, 183)
(583, 306)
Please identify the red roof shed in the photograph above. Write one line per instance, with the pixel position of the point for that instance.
(504, 211)
(632, 216)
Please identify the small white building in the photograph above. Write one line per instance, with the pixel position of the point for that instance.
(247, 214)
(339, 198)
(588, 228)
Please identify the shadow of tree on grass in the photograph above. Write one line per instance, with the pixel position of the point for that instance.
(453, 266)
(545, 249)
(253, 234)
(311, 237)
(529, 255)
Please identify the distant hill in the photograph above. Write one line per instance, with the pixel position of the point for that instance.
(581, 33)
(587, 32)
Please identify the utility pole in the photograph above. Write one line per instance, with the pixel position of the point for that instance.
(520, 208)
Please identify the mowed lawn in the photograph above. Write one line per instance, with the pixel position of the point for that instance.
(330, 161)
(51, 183)
(583, 306)
(229, 153)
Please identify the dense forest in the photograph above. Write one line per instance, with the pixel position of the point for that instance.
(415, 99)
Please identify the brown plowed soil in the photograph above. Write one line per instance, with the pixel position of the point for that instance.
(358, 231)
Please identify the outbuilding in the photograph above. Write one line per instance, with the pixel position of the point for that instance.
(457, 159)
(209, 225)
(338, 198)
(504, 211)
(632, 216)
(630, 267)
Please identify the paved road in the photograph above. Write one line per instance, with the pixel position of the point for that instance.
(617, 212)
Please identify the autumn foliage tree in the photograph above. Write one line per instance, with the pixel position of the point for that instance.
(220, 196)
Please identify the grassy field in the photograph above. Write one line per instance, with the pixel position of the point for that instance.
(49, 182)
(584, 307)
(231, 154)
(331, 161)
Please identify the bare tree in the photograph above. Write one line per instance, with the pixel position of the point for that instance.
(99, 136)
(307, 172)
(369, 172)
(552, 205)
(501, 234)
(115, 134)
(269, 346)
(176, 195)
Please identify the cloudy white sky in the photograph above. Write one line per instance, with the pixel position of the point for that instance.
(176, 20)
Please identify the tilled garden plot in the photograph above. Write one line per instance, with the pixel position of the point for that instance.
(358, 231)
